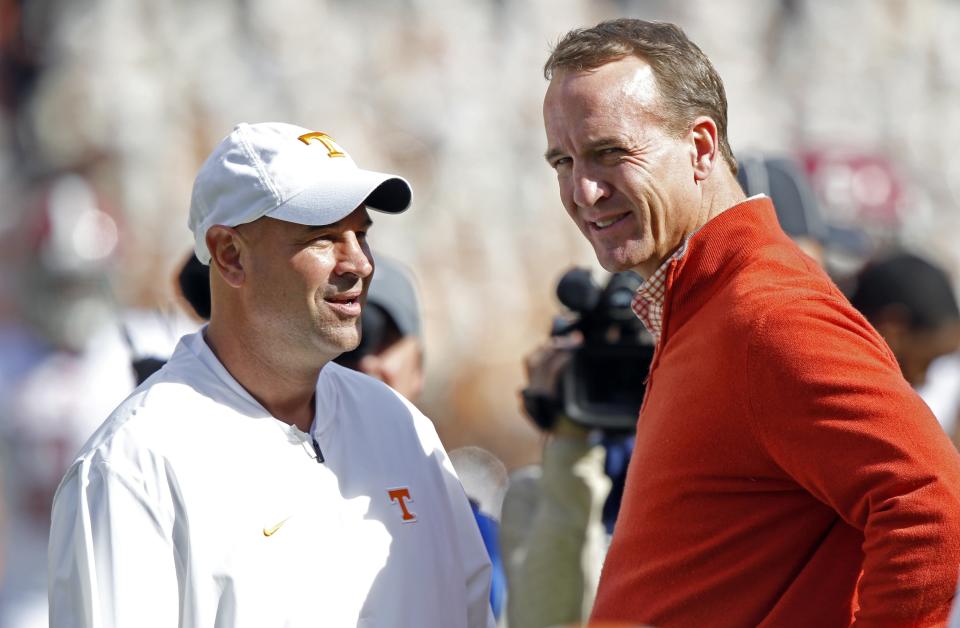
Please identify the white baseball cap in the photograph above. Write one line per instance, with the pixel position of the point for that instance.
(289, 173)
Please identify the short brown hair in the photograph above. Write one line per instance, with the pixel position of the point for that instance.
(688, 83)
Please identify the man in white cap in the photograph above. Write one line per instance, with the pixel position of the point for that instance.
(250, 481)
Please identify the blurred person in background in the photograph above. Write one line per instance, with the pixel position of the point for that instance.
(66, 359)
(553, 535)
(941, 391)
(581, 396)
(784, 472)
(911, 302)
(193, 286)
(250, 482)
(783, 178)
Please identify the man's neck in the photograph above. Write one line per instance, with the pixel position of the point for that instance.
(719, 193)
(285, 391)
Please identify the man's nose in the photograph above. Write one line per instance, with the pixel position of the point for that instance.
(588, 189)
(354, 257)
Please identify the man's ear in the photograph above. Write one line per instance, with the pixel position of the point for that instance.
(225, 245)
(704, 147)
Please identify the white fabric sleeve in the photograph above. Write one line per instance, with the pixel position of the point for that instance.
(477, 569)
(476, 563)
(565, 544)
(111, 559)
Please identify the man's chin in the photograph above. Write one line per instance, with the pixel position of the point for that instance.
(349, 343)
(339, 342)
(616, 261)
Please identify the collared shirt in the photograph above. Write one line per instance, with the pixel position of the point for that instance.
(649, 298)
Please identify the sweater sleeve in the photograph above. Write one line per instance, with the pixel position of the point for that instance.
(111, 561)
(832, 410)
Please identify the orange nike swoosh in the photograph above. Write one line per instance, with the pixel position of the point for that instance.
(271, 531)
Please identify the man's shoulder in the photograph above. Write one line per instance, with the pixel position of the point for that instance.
(357, 389)
(369, 401)
(150, 416)
(806, 330)
(779, 279)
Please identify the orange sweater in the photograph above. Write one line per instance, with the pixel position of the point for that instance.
(781, 458)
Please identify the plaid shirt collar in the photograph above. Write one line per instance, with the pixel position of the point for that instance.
(649, 298)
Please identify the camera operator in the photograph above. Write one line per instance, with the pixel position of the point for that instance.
(553, 537)
(555, 514)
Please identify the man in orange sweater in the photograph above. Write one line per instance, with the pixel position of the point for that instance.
(785, 474)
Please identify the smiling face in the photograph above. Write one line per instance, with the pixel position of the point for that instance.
(306, 285)
(627, 180)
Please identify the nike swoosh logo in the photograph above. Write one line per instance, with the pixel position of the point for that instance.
(271, 531)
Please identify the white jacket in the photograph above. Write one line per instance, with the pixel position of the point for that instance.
(191, 506)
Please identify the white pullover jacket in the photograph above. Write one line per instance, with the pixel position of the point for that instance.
(191, 506)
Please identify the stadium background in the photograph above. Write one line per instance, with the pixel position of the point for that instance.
(132, 94)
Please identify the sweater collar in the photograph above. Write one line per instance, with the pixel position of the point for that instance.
(718, 248)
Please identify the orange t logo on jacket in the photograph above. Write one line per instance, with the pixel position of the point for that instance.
(402, 496)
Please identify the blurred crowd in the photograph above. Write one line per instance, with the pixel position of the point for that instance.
(107, 109)
(129, 96)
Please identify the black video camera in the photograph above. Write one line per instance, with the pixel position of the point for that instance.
(603, 385)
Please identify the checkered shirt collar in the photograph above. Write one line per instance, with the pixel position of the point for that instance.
(649, 298)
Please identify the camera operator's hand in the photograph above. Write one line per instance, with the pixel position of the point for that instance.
(546, 363)
(545, 367)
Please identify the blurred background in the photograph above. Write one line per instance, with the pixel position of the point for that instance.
(108, 107)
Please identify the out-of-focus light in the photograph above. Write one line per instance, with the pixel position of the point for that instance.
(81, 235)
(94, 235)
(856, 188)
(871, 185)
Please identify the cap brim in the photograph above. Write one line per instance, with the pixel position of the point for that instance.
(331, 199)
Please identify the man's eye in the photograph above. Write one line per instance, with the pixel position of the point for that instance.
(561, 162)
